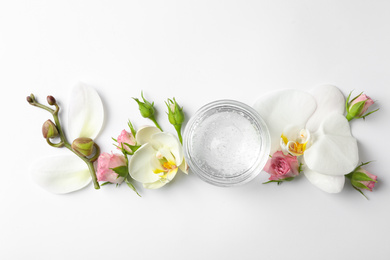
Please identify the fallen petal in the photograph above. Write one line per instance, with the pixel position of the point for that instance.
(284, 107)
(86, 113)
(61, 173)
(329, 100)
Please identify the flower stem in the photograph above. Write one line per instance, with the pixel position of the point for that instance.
(155, 122)
(64, 142)
(178, 130)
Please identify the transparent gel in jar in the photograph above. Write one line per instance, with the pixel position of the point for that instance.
(226, 143)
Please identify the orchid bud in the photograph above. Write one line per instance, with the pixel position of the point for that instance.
(29, 99)
(83, 145)
(49, 129)
(358, 106)
(175, 112)
(146, 108)
(51, 100)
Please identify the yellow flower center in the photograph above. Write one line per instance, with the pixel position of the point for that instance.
(296, 146)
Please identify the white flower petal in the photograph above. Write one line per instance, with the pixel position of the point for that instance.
(141, 165)
(144, 134)
(334, 151)
(331, 184)
(86, 113)
(282, 108)
(61, 173)
(167, 141)
(184, 166)
(329, 100)
(154, 185)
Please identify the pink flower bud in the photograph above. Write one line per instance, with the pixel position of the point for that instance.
(282, 166)
(368, 102)
(126, 138)
(105, 165)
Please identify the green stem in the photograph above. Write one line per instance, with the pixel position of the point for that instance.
(64, 141)
(178, 130)
(155, 122)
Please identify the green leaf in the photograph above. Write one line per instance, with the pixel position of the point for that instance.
(359, 185)
(364, 116)
(131, 186)
(356, 108)
(280, 181)
(107, 182)
(361, 192)
(361, 176)
(122, 171)
(347, 101)
(133, 148)
(132, 128)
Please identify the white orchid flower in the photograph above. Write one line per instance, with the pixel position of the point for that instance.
(315, 123)
(66, 173)
(157, 161)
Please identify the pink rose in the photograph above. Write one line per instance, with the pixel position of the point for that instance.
(368, 102)
(370, 184)
(105, 163)
(282, 166)
(358, 107)
(126, 138)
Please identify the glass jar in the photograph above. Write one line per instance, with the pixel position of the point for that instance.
(226, 143)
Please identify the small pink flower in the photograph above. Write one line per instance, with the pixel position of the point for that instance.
(370, 184)
(126, 138)
(105, 163)
(368, 102)
(282, 166)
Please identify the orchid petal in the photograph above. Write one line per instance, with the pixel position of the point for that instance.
(86, 113)
(329, 100)
(184, 166)
(144, 134)
(327, 183)
(282, 108)
(61, 174)
(154, 185)
(167, 141)
(334, 150)
(141, 165)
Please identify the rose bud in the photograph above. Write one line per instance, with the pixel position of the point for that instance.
(49, 129)
(358, 106)
(146, 108)
(282, 167)
(362, 179)
(83, 146)
(126, 138)
(175, 112)
(108, 164)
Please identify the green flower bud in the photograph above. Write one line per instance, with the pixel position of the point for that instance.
(146, 108)
(175, 112)
(83, 145)
(49, 129)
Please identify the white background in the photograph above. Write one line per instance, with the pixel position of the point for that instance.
(196, 51)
